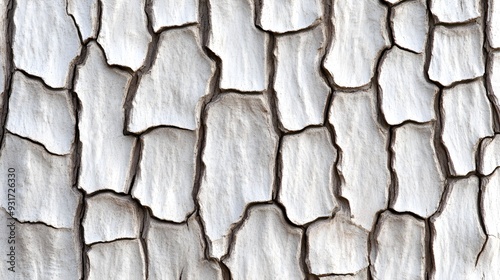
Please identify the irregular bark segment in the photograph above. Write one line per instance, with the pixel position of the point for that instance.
(175, 251)
(487, 263)
(43, 183)
(455, 11)
(406, 94)
(265, 227)
(336, 246)
(409, 22)
(166, 174)
(109, 217)
(167, 13)
(421, 185)
(362, 275)
(489, 155)
(282, 16)
(123, 34)
(307, 180)
(493, 23)
(106, 152)
(467, 118)
(351, 59)
(169, 93)
(45, 40)
(363, 143)
(42, 115)
(301, 91)
(240, 45)
(86, 15)
(41, 252)
(123, 259)
(399, 251)
(457, 54)
(490, 205)
(458, 235)
(239, 159)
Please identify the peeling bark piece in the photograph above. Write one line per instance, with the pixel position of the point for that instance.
(490, 205)
(45, 40)
(362, 275)
(44, 183)
(455, 11)
(336, 246)
(106, 152)
(109, 217)
(123, 34)
(175, 251)
(458, 235)
(122, 259)
(363, 143)
(264, 228)
(467, 118)
(409, 22)
(40, 114)
(301, 91)
(490, 155)
(239, 44)
(406, 94)
(457, 54)
(359, 37)
(421, 185)
(172, 99)
(166, 174)
(282, 16)
(239, 158)
(42, 252)
(399, 251)
(307, 182)
(168, 13)
(86, 15)
(493, 23)
(489, 259)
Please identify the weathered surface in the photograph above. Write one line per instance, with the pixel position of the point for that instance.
(239, 44)
(489, 155)
(184, 247)
(122, 259)
(239, 158)
(490, 205)
(487, 263)
(44, 190)
(288, 15)
(456, 226)
(106, 152)
(168, 13)
(336, 246)
(406, 94)
(172, 99)
(40, 114)
(399, 249)
(467, 118)
(363, 164)
(419, 186)
(266, 227)
(109, 217)
(307, 180)
(455, 11)
(123, 32)
(409, 23)
(493, 78)
(493, 23)
(301, 91)
(457, 54)
(362, 275)
(166, 174)
(45, 40)
(86, 15)
(351, 59)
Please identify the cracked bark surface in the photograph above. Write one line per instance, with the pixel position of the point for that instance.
(252, 139)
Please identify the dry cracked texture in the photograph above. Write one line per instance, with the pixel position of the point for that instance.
(221, 139)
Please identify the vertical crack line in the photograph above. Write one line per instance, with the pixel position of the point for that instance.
(480, 212)
(8, 36)
(394, 186)
(304, 249)
(74, 23)
(429, 256)
(145, 222)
